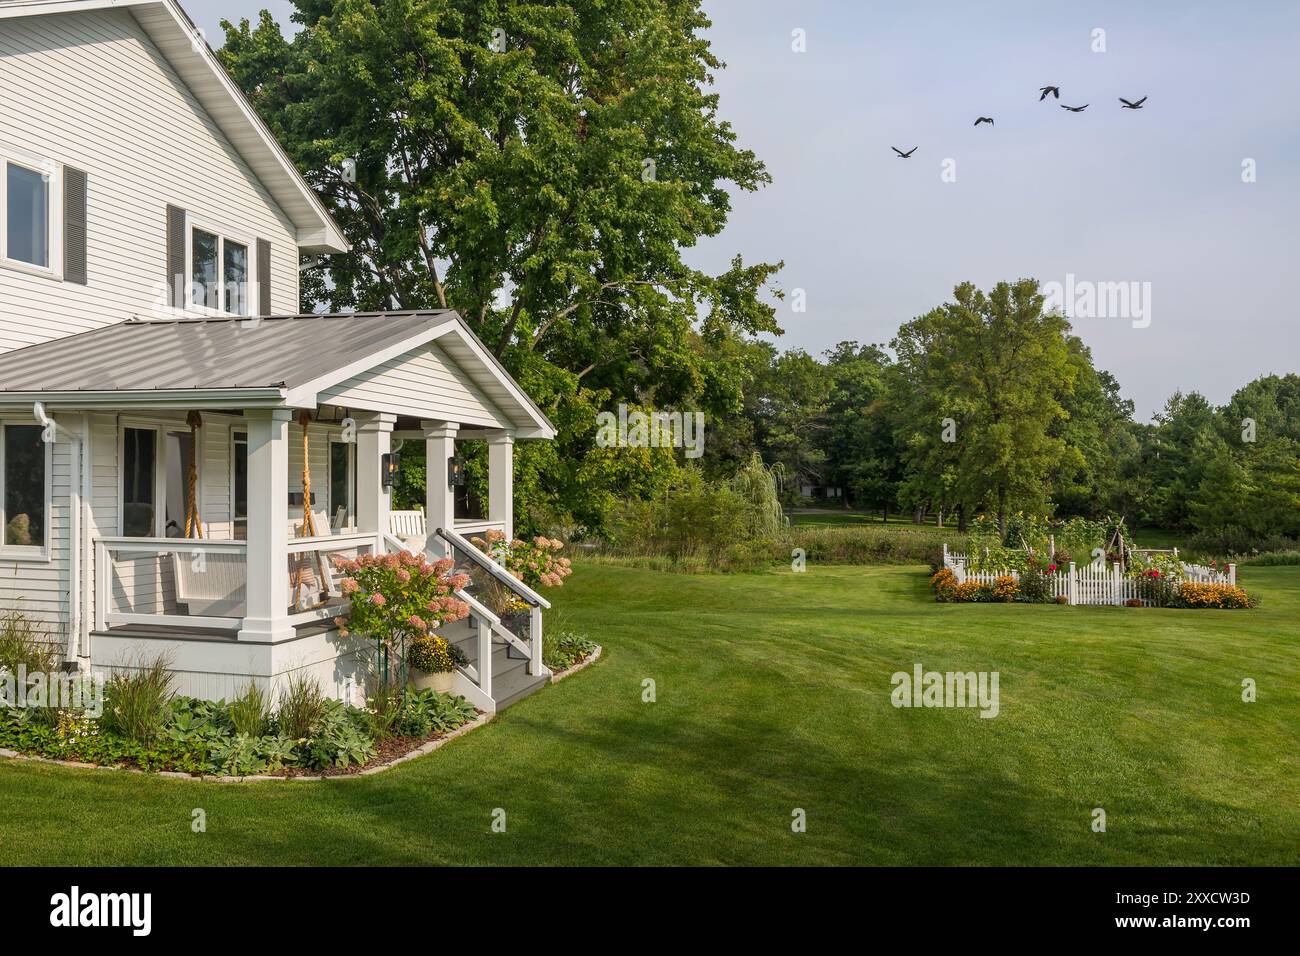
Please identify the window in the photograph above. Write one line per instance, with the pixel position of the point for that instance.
(139, 482)
(23, 458)
(30, 233)
(342, 482)
(28, 215)
(240, 482)
(219, 277)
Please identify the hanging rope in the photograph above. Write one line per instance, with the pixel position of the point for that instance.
(304, 563)
(193, 524)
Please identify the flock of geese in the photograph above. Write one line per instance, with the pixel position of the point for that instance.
(1043, 93)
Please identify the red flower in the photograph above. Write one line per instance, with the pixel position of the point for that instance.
(1051, 567)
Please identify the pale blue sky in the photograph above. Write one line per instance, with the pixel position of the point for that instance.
(1108, 195)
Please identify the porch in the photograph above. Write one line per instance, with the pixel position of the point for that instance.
(209, 513)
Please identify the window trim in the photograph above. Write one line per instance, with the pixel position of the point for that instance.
(54, 213)
(239, 238)
(28, 552)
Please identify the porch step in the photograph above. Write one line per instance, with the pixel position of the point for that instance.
(510, 678)
(515, 686)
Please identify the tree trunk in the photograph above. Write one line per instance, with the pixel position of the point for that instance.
(1002, 512)
(884, 515)
(939, 515)
(961, 519)
(918, 514)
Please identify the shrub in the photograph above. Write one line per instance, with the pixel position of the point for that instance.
(337, 738)
(1133, 602)
(565, 649)
(537, 562)
(1062, 599)
(301, 706)
(970, 591)
(944, 583)
(399, 597)
(1004, 588)
(428, 712)
(137, 698)
(1226, 596)
(1035, 586)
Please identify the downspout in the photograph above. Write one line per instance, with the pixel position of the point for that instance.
(76, 491)
(86, 584)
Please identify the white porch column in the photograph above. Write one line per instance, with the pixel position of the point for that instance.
(439, 496)
(374, 440)
(267, 591)
(501, 481)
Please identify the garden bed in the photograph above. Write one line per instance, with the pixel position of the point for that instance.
(389, 753)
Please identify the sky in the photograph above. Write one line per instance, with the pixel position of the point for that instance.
(1152, 198)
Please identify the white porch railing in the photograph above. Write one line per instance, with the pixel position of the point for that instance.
(177, 581)
(202, 582)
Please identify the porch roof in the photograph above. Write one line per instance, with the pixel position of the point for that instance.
(276, 360)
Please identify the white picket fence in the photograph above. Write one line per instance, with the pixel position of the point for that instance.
(1091, 584)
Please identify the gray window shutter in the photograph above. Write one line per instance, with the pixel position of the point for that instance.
(263, 277)
(175, 257)
(74, 225)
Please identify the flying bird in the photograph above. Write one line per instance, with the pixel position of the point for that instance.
(1132, 106)
(903, 154)
(1075, 109)
(985, 119)
(1054, 90)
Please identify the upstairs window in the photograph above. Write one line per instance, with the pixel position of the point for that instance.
(28, 196)
(219, 274)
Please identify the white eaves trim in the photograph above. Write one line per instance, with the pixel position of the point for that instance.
(195, 398)
(175, 34)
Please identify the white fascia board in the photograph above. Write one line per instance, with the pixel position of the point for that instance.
(186, 398)
(542, 425)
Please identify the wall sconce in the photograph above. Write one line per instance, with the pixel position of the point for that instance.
(455, 472)
(388, 463)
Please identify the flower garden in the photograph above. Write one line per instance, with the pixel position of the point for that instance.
(1034, 562)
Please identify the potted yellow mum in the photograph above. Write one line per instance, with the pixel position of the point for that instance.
(433, 663)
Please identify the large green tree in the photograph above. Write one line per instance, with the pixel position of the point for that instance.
(539, 167)
(998, 367)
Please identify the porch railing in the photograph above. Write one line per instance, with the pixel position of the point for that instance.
(195, 582)
(202, 582)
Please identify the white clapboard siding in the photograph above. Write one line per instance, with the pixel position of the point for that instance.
(90, 90)
(423, 382)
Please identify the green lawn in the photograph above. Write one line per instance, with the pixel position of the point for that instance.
(773, 693)
(843, 518)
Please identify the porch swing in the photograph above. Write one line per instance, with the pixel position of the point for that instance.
(207, 584)
(309, 568)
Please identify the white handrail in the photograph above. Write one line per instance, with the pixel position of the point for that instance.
(497, 571)
(332, 542)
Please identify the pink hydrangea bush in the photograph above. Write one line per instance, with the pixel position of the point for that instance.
(399, 596)
(537, 562)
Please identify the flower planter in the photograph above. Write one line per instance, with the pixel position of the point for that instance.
(441, 681)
